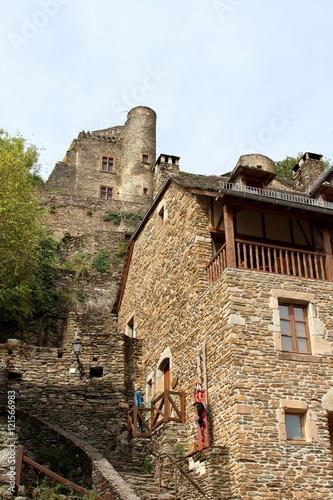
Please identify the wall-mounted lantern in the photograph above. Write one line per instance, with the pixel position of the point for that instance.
(77, 348)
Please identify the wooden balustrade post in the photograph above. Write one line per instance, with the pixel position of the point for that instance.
(107, 495)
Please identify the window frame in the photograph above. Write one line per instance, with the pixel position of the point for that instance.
(294, 337)
(302, 417)
(107, 170)
(107, 189)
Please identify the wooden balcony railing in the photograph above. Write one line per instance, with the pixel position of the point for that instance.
(167, 407)
(272, 259)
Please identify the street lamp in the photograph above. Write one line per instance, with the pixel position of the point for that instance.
(77, 348)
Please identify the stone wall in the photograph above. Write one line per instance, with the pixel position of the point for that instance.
(249, 379)
(48, 382)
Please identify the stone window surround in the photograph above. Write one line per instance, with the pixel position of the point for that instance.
(317, 329)
(101, 164)
(300, 408)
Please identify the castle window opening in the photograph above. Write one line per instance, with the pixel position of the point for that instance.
(106, 193)
(107, 164)
(294, 328)
(96, 372)
(145, 158)
(145, 191)
(14, 376)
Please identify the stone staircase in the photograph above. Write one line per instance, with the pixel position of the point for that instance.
(142, 483)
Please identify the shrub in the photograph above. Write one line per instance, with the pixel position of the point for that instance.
(78, 263)
(101, 261)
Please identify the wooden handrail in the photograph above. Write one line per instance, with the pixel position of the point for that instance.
(23, 458)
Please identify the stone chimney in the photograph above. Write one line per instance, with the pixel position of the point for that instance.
(307, 171)
(166, 165)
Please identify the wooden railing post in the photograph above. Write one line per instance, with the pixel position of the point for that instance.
(107, 495)
(18, 466)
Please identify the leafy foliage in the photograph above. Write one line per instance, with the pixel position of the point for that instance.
(78, 263)
(101, 261)
(117, 217)
(58, 459)
(27, 253)
(122, 249)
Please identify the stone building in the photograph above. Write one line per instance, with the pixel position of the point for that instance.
(229, 285)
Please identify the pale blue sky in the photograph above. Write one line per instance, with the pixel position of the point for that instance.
(225, 77)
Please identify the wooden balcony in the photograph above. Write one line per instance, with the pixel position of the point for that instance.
(167, 407)
(273, 259)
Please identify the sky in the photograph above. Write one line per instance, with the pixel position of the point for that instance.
(225, 77)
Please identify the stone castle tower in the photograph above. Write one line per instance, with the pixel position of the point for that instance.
(111, 164)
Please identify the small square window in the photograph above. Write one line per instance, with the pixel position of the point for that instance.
(294, 328)
(294, 426)
(106, 193)
(145, 158)
(107, 164)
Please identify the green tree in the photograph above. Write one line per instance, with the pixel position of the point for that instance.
(25, 248)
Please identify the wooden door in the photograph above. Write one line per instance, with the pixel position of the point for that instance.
(166, 375)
